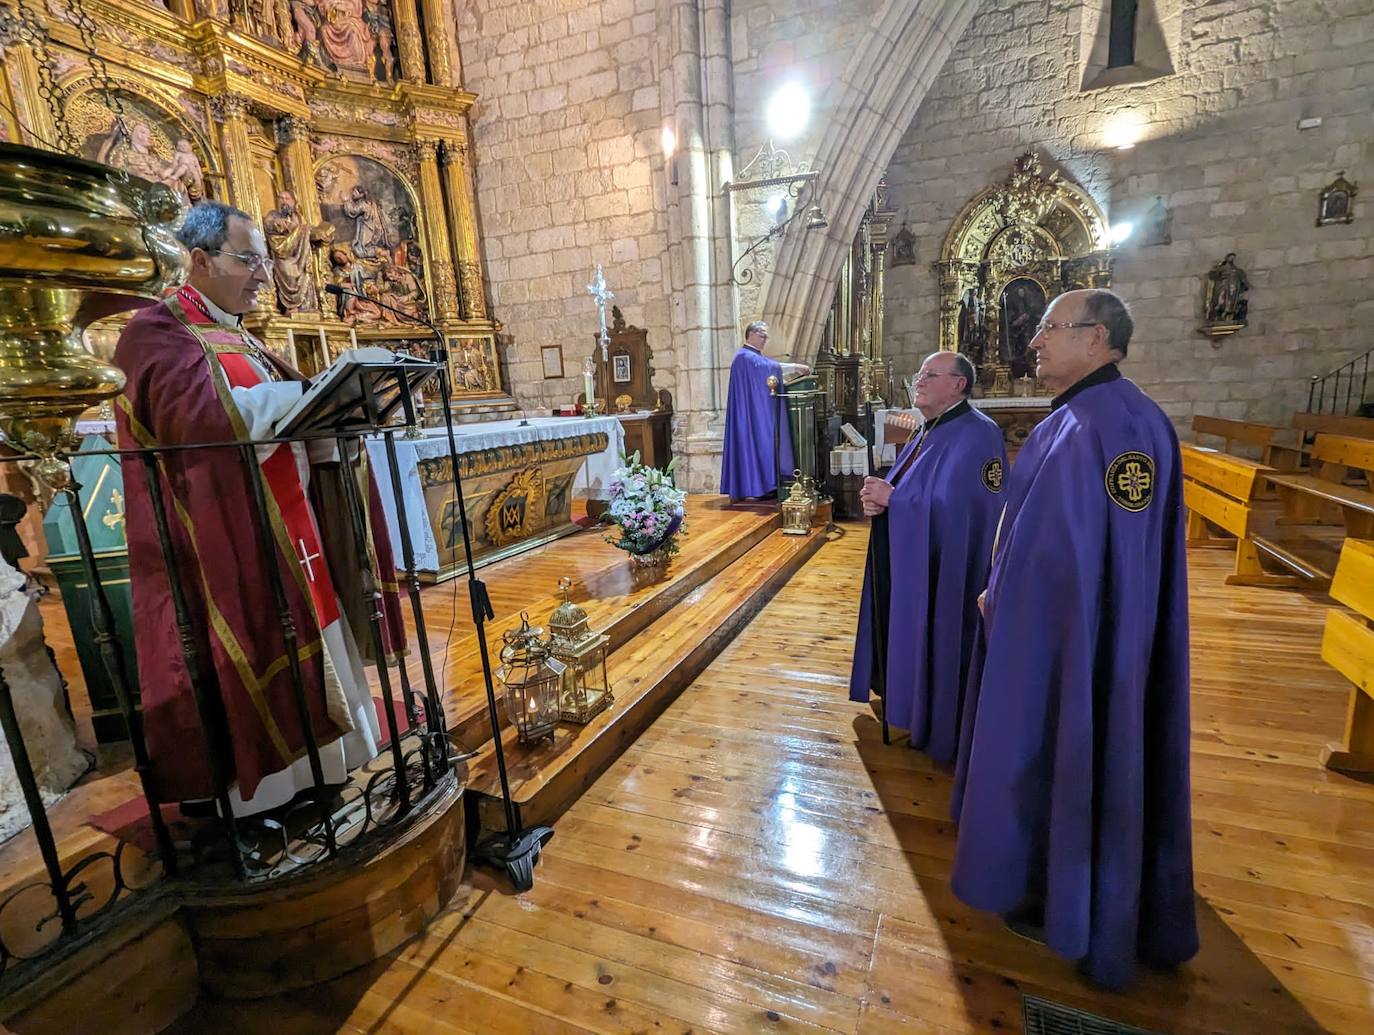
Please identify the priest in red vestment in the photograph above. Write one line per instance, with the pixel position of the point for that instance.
(195, 376)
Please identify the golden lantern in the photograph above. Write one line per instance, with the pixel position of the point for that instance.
(798, 509)
(532, 682)
(586, 688)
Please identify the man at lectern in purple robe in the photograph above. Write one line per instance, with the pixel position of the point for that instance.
(758, 436)
(929, 548)
(1071, 792)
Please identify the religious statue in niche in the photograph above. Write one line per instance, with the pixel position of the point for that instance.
(1336, 202)
(355, 38)
(1224, 304)
(289, 240)
(146, 142)
(972, 330)
(904, 247)
(376, 251)
(1021, 306)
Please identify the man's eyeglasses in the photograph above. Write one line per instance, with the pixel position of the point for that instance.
(252, 260)
(1043, 327)
(927, 374)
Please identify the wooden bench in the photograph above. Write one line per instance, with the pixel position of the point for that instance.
(1269, 442)
(1334, 424)
(1348, 647)
(1322, 497)
(1220, 492)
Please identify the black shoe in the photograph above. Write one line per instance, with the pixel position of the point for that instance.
(1028, 922)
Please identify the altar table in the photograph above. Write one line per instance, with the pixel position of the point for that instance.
(519, 482)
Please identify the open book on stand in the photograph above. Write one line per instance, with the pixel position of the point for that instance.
(361, 390)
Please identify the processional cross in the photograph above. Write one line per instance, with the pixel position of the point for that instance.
(599, 291)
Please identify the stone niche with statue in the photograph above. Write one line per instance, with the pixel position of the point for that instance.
(339, 125)
(1012, 249)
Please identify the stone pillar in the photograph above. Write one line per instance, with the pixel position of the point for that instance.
(231, 112)
(436, 35)
(436, 232)
(408, 41)
(463, 221)
(298, 165)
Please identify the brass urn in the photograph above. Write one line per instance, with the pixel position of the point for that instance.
(78, 241)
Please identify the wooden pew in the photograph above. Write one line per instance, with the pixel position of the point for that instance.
(1323, 497)
(1269, 441)
(1348, 647)
(1220, 492)
(1334, 424)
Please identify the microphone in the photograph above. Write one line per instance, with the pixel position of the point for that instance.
(438, 353)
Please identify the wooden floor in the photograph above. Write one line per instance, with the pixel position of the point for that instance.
(759, 861)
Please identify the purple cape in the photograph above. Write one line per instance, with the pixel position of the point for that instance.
(917, 625)
(750, 465)
(1072, 782)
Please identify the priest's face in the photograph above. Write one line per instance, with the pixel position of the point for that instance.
(938, 385)
(232, 276)
(758, 337)
(1068, 348)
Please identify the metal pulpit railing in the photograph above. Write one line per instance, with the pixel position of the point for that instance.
(347, 822)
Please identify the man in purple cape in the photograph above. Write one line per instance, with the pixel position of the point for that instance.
(929, 548)
(755, 419)
(1071, 792)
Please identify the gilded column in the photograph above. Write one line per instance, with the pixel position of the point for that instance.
(43, 129)
(298, 165)
(436, 232)
(463, 216)
(231, 112)
(408, 40)
(436, 35)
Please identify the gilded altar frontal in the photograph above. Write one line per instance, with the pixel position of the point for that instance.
(340, 126)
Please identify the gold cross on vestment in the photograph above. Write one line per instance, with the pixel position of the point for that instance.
(305, 558)
(1134, 481)
(114, 517)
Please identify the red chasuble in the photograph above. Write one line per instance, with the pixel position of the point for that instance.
(182, 367)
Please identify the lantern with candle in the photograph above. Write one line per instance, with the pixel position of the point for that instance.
(532, 680)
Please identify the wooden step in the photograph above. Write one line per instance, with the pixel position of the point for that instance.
(617, 599)
(646, 674)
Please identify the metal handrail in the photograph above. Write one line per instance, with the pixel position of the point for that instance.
(1350, 371)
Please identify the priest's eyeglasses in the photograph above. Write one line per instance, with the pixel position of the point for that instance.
(1044, 328)
(252, 260)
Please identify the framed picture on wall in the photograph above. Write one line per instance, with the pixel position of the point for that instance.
(553, 360)
(621, 369)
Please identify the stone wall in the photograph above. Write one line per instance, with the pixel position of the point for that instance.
(1219, 142)
(569, 174)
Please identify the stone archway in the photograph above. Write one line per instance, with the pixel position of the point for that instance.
(883, 85)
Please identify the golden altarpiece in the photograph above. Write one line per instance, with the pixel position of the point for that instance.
(340, 125)
(1011, 250)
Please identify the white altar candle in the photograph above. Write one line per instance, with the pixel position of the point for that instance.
(588, 388)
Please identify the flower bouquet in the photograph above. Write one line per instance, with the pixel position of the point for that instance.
(649, 510)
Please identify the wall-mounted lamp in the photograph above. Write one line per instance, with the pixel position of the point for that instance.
(1120, 232)
(670, 152)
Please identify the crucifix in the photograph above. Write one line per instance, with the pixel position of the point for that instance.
(306, 557)
(599, 291)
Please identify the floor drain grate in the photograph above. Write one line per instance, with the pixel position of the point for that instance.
(1043, 1017)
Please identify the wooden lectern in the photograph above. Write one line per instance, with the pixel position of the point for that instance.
(625, 390)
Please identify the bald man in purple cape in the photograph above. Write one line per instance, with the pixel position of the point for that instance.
(1071, 792)
(758, 436)
(929, 549)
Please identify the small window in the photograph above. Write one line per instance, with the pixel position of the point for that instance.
(1121, 41)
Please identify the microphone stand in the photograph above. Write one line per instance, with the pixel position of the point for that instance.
(515, 849)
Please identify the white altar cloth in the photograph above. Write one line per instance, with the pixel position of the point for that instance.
(592, 481)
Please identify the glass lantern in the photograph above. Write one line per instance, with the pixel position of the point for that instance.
(797, 510)
(586, 688)
(533, 681)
